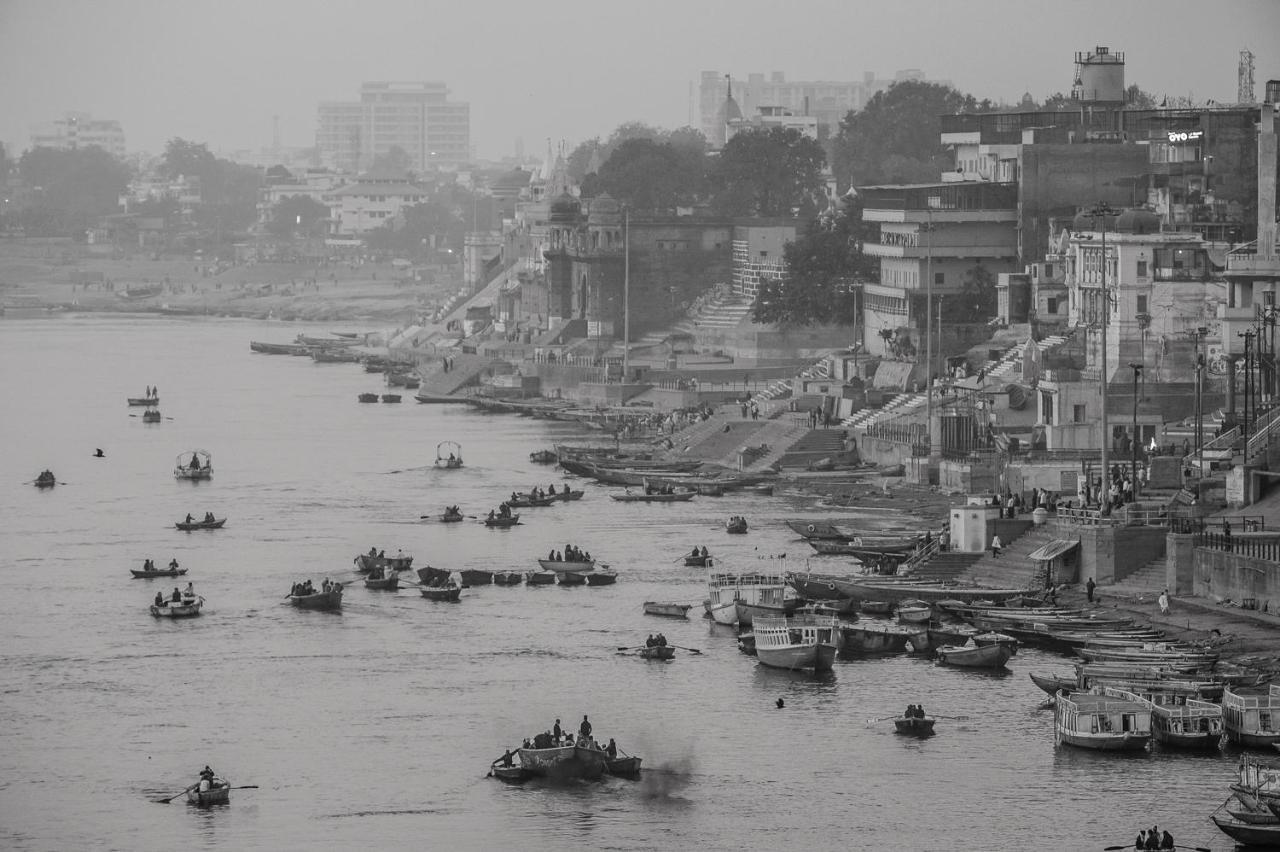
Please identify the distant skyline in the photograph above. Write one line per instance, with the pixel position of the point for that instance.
(566, 69)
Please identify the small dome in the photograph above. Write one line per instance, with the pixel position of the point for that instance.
(565, 209)
(729, 111)
(1138, 222)
(1086, 221)
(604, 210)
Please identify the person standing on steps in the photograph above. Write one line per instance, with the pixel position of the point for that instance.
(996, 546)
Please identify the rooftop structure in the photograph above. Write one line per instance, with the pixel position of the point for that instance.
(80, 130)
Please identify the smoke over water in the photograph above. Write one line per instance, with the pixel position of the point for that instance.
(666, 781)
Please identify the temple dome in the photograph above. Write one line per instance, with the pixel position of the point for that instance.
(565, 209)
(604, 210)
(1138, 222)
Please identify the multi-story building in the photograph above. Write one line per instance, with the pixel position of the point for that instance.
(939, 238)
(416, 117)
(80, 130)
(771, 116)
(759, 254)
(316, 184)
(371, 202)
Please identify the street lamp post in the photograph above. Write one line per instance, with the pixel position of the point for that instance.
(1248, 335)
(1133, 471)
(928, 336)
(1197, 335)
(1101, 211)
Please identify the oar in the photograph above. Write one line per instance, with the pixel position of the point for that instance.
(952, 718)
(629, 648)
(690, 650)
(1130, 846)
(180, 792)
(883, 719)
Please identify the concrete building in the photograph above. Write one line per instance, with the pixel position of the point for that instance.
(416, 117)
(759, 254)
(931, 233)
(771, 116)
(80, 130)
(373, 200)
(315, 184)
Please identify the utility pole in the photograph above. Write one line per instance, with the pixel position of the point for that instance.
(1101, 211)
(1137, 371)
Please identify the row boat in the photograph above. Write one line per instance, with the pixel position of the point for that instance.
(675, 497)
(188, 607)
(279, 348)
(193, 465)
(162, 572)
(580, 566)
(914, 726)
(992, 656)
(218, 792)
(656, 652)
(144, 400)
(448, 592)
(389, 583)
(667, 609)
(331, 599)
(188, 526)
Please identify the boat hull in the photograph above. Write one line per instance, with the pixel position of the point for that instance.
(200, 525)
(577, 567)
(914, 727)
(502, 523)
(208, 798)
(725, 613)
(564, 762)
(667, 610)
(320, 600)
(186, 609)
(623, 767)
(979, 657)
(540, 578)
(446, 594)
(1106, 742)
(507, 578)
(657, 652)
(175, 572)
(476, 577)
(602, 578)
(1248, 834)
(1253, 739)
(389, 584)
(817, 656)
(748, 611)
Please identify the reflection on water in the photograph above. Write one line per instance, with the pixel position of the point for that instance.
(375, 727)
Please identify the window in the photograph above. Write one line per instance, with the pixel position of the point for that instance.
(1142, 304)
(1142, 269)
(1051, 305)
(1048, 270)
(939, 278)
(1077, 414)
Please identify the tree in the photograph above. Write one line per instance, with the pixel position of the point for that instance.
(396, 160)
(977, 300)
(70, 188)
(822, 265)
(902, 122)
(183, 158)
(296, 215)
(649, 175)
(767, 173)
(1136, 98)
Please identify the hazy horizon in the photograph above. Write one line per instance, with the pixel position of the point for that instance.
(568, 70)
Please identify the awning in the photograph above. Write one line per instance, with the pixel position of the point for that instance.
(892, 374)
(1053, 549)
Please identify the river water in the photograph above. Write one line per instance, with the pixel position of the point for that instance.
(374, 728)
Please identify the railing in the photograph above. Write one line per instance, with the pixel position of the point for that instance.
(922, 554)
(1242, 523)
(1225, 441)
(1126, 517)
(1263, 430)
(1267, 548)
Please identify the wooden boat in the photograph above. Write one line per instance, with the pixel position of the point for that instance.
(218, 793)
(1178, 720)
(571, 578)
(448, 455)
(1246, 833)
(325, 342)
(389, 583)
(623, 767)
(193, 465)
(1246, 808)
(159, 572)
(876, 607)
(186, 526)
(188, 607)
(403, 380)
(368, 397)
(914, 726)
(857, 547)
(331, 599)
(476, 577)
(429, 576)
(667, 609)
(151, 415)
(326, 355)
(990, 638)
(544, 457)
(1252, 719)
(698, 561)
(675, 497)
(525, 501)
(564, 763)
(818, 530)
(391, 397)
(1099, 722)
(656, 652)
(449, 592)
(566, 495)
(144, 400)
(738, 598)
(950, 635)
(975, 656)
(513, 774)
(507, 578)
(761, 490)
(914, 612)
(451, 517)
(278, 348)
(798, 642)
(502, 521)
(582, 566)
(46, 479)
(1053, 684)
(736, 525)
(540, 578)
(602, 578)
(879, 638)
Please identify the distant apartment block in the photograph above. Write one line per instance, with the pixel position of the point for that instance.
(416, 117)
(80, 130)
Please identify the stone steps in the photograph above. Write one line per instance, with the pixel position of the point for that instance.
(1011, 569)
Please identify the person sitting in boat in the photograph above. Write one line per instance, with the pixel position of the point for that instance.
(373, 552)
(490, 515)
(173, 564)
(705, 553)
(504, 509)
(382, 554)
(552, 490)
(159, 598)
(611, 749)
(189, 518)
(176, 596)
(1166, 840)
(190, 590)
(695, 553)
(584, 730)
(551, 557)
(206, 774)
(910, 712)
(660, 641)
(648, 643)
(506, 758)
(556, 731)
(209, 518)
(195, 463)
(515, 498)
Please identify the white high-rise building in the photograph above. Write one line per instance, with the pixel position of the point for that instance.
(80, 130)
(416, 117)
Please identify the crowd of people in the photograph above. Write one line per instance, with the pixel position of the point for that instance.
(914, 711)
(208, 516)
(1154, 838)
(178, 596)
(558, 737)
(570, 554)
(656, 641)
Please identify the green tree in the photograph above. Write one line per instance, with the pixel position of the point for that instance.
(898, 133)
(298, 215)
(71, 188)
(822, 266)
(648, 175)
(977, 300)
(769, 172)
(396, 159)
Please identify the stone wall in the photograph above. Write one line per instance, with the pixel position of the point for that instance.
(1218, 574)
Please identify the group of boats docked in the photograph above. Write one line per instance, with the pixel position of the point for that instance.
(658, 477)
(373, 397)
(1251, 814)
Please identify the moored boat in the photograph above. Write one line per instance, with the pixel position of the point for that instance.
(1246, 833)
(507, 578)
(571, 578)
(667, 609)
(623, 767)
(331, 599)
(602, 578)
(797, 642)
(876, 607)
(540, 578)
(738, 598)
(867, 638)
(368, 397)
(278, 348)
(565, 762)
(674, 497)
(476, 577)
(1052, 684)
(390, 582)
(429, 576)
(193, 465)
(1178, 720)
(1252, 718)
(914, 612)
(448, 592)
(391, 397)
(1099, 722)
(992, 656)
(544, 457)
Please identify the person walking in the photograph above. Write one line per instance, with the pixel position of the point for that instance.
(1163, 601)
(1089, 587)
(996, 546)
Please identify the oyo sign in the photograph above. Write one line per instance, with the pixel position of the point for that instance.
(1184, 135)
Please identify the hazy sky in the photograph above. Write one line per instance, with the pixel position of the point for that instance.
(217, 72)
